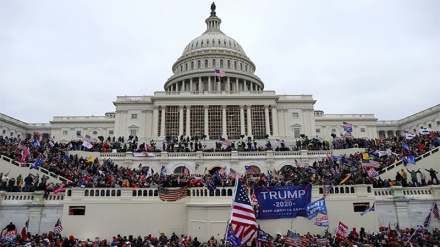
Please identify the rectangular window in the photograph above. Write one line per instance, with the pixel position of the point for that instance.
(318, 130)
(111, 132)
(78, 133)
(295, 115)
(361, 206)
(65, 132)
(296, 132)
(77, 210)
(362, 129)
(133, 132)
(429, 126)
(134, 116)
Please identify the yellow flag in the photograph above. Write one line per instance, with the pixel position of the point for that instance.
(345, 179)
(90, 159)
(366, 156)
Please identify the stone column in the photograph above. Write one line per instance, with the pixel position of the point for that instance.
(191, 84)
(266, 118)
(249, 123)
(162, 122)
(286, 122)
(242, 130)
(219, 85)
(206, 107)
(228, 87)
(224, 132)
(181, 120)
(200, 84)
(209, 84)
(237, 88)
(155, 121)
(188, 120)
(275, 120)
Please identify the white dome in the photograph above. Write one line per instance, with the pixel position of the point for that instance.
(213, 39)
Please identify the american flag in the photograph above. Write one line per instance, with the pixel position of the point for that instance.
(225, 142)
(222, 171)
(172, 195)
(435, 211)
(293, 239)
(305, 241)
(243, 218)
(232, 173)
(9, 237)
(348, 127)
(326, 190)
(58, 227)
(372, 172)
(219, 73)
(252, 170)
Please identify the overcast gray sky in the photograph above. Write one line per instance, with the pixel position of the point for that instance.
(72, 58)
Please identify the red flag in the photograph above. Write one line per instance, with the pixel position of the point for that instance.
(25, 230)
(341, 230)
(243, 217)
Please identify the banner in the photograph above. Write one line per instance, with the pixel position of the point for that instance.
(322, 221)
(342, 229)
(283, 201)
(316, 207)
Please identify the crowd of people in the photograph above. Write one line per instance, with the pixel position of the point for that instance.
(329, 170)
(386, 236)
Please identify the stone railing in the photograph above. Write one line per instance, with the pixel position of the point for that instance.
(40, 169)
(400, 162)
(399, 191)
(198, 193)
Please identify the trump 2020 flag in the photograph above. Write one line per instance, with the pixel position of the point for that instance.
(231, 238)
(369, 210)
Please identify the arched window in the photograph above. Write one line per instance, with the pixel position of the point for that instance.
(246, 68)
(214, 63)
(241, 66)
(206, 63)
(192, 65)
(221, 63)
(186, 66)
(235, 64)
(229, 64)
(199, 64)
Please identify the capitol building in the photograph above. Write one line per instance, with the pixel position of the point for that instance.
(213, 93)
(232, 103)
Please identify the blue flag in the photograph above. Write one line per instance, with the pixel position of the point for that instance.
(163, 171)
(405, 161)
(231, 238)
(427, 220)
(405, 146)
(316, 207)
(35, 143)
(263, 236)
(211, 185)
(412, 159)
(369, 210)
(37, 163)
